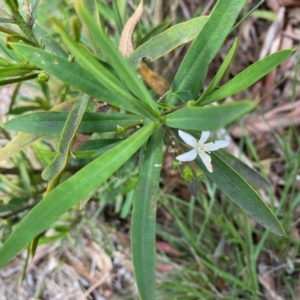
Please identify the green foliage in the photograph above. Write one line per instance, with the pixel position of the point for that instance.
(53, 122)
(176, 36)
(208, 118)
(248, 76)
(235, 187)
(77, 188)
(67, 136)
(143, 222)
(193, 69)
(95, 68)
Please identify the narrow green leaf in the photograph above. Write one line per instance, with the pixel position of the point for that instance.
(238, 190)
(208, 118)
(118, 19)
(265, 14)
(249, 76)
(46, 39)
(119, 63)
(193, 69)
(22, 109)
(167, 41)
(121, 6)
(106, 11)
(69, 131)
(8, 52)
(91, 6)
(21, 140)
(97, 144)
(16, 79)
(102, 87)
(17, 144)
(205, 259)
(75, 189)
(143, 222)
(17, 70)
(155, 31)
(213, 84)
(53, 122)
(251, 176)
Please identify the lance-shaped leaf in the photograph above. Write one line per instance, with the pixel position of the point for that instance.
(75, 189)
(70, 128)
(22, 139)
(101, 85)
(167, 41)
(249, 76)
(91, 6)
(53, 122)
(119, 63)
(192, 71)
(143, 222)
(250, 175)
(238, 190)
(98, 143)
(19, 142)
(208, 118)
(50, 44)
(213, 84)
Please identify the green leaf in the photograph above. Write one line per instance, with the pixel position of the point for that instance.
(8, 52)
(16, 70)
(104, 149)
(53, 122)
(264, 14)
(46, 39)
(213, 84)
(208, 118)
(238, 190)
(69, 131)
(91, 6)
(167, 41)
(22, 109)
(75, 189)
(251, 176)
(17, 144)
(249, 76)
(97, 144)
(106, 11)
(21, 140)
(103, 87)
(193, 69)
(15, 79)
(119, 63)
(143, 222)
(160, 28)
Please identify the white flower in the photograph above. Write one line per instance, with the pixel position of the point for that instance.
(200, 148)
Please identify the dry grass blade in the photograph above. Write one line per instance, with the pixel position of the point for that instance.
(283, 116)
(126, 45)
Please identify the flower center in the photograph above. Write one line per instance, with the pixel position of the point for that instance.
(199, 148)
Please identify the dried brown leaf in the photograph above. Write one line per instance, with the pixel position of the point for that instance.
(269, 292)
(157, 83)
(126, 45)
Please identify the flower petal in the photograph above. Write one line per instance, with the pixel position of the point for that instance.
(206, 159)
(188, 156)
(213, 146)
(187, 138)
(204, 137)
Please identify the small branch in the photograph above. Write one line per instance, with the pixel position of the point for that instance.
(173, 109)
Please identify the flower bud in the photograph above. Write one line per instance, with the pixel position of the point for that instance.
(42, 77)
